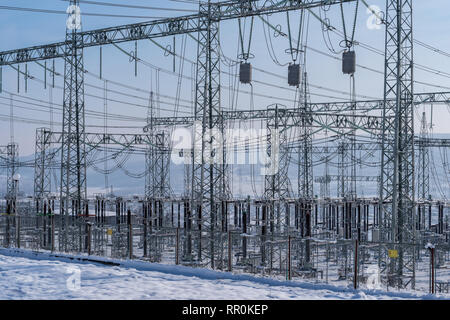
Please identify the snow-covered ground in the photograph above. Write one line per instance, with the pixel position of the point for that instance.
(28, 275)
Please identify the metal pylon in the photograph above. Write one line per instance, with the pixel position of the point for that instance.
(42, 166)
(12, 150)
(397, 169)
(277, 185)
(157, 159)
(208, 178)
(305, 168)
(73, 155)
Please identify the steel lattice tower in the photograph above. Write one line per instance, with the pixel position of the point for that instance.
(305, 168)
(397, 169)
(208, 179)
(157, 159)
(277, 185)
(42, 166)
(12, 150)
(73, 156)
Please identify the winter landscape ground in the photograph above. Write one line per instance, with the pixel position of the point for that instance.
(28, 275)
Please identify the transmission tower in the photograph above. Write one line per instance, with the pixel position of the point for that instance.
(397, 162)
(73, 156)
(12, 158)
(208, 179)
(157, 157)
(42, 166)
(305, 168)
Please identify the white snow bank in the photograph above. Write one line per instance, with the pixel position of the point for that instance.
(42, 275)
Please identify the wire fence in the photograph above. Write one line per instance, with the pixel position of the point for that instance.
(361, 264)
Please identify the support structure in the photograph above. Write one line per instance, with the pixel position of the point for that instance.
(397, 169)
(73, 155)
(12, 151)
(208, 161)
(157, 160)
(42, 167)
(207, 196)
(305, 169)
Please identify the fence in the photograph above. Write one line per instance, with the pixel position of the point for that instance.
(361, 264)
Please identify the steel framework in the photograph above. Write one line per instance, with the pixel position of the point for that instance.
(206, 208)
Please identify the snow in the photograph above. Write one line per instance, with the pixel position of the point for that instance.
(429, 246)
(30, 275)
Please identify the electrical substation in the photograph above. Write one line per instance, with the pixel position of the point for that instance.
(308, 215)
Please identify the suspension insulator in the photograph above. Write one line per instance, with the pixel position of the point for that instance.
(349, 62)
(294, 75)
(245, 72)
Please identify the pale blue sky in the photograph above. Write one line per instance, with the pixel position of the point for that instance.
(22, 29)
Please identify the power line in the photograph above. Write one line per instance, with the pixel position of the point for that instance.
(120, 5)
(84, 13)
